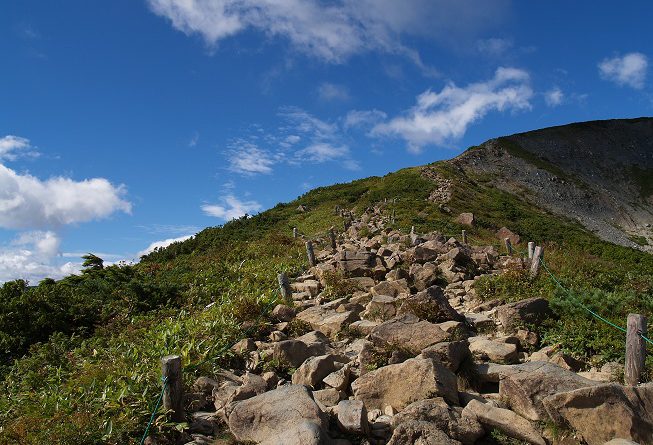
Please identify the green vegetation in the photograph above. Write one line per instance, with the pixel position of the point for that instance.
(639, 240)
(81, 356)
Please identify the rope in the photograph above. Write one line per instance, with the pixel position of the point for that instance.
(156, 408)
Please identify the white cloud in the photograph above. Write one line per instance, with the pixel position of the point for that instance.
(246, 158)
(439, 118)
(194, 139)
(28, 202)
(493, 46)
(11, 147)
(554, 97)
(331, 92)
(161, 244)
(231, 208)
(31, 256)
(333, 31)
(322, 152)
(360, 118)
(629, 70)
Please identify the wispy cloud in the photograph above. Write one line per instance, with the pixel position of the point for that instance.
(246, 158)
(440, 118)
(230, 208)
(629, 70)
(330, 92)
(554, 97)
(170, 228)
(194, 139)
(494, 46)
(363, 118)
(161, 244)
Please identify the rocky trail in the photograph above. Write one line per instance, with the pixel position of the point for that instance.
(384, 341)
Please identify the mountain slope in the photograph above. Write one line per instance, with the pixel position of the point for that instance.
(94, 374)
(600, 173)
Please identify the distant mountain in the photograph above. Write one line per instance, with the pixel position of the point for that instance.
(599, 173)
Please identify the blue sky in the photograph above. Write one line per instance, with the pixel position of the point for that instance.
(133, 122)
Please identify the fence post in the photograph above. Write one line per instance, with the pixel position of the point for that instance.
(332, 236)
(464, 236)
(635, 349)
(310, 253)
(531, 248)
(535, 264)
(393, 216)
(294, 232)
(508, 246)
(173, 396)
(284, 286)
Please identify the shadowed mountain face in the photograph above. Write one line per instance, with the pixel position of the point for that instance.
(600, 173)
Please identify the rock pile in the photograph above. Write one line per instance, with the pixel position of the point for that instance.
(410, 355)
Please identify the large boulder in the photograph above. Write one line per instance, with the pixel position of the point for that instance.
(295, 352)
(495, 351)
(424, 275)
(409, 333)
(352, 417)
(326, 320)
(288, 415)
(392, 288)
(443, 417)
(358, 263)
(531, 311)
(314, 369)
(431, 305)
(451, 353)
(420, 433)
(503, 419)
(604, 412)
(404, 383)
(526, 388)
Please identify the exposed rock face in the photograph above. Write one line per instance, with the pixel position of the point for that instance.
(443, 417)
(530, 311)
(504, 420)
(408, 332)
(287, 415)
(604, 412)
(527, 388)
(404, 383)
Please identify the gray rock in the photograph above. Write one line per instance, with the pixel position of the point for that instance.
(531, 311)
(451, 354)
(494, 351)
(503, 419)
(408, 332)
(420, 433)
(314, 369)
(431, 305)
(352, 417)
(328, 321)
(288, 415)
(295, 352)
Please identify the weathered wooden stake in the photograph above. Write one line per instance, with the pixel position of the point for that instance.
(310, 253)
(347, 224)
(284, 286)
(464, 236)
(393, 216)
(173, 396)
(531, 248)
(635, 349)
(508, 246)
(295, 233)
(332, 236)
(535, 264)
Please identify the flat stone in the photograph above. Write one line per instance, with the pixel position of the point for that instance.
(408, 332)
(504, 420)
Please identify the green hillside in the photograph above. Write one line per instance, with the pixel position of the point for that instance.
(80, 357)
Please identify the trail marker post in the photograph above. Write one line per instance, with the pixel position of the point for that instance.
(332, 237)
(535, 264)
(284, 286)
(173, 396)
(635, 349)
(310, 253)
(295, 233)
(531, 249)
(464, 234)
(508, 245)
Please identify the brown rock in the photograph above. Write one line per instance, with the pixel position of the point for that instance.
(408, 332)
(466, 219)
(531, 311)
(504, 233)
(503, 419)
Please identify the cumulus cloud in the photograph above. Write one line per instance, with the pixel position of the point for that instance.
(554, 97)
(329, 92)
(27, 202)
(230, 208)
(629, 70)
(333, 31)
(322, 152)
(439, 118)
(11, 147)
(31, 256)
(161, 244)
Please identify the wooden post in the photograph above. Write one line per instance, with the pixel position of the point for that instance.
(284, 286)
(295, 233)
(173, 396)
(535, 264)
(347, 224)
(531, 249)
(310, 253)
(332, 236)
(464, 236)
(635, 349)
(508, 246)
(393, 216)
